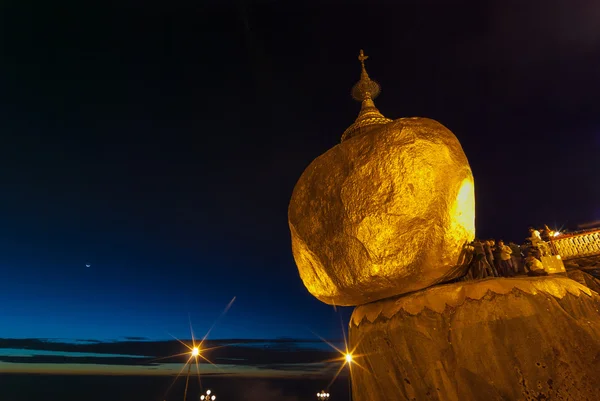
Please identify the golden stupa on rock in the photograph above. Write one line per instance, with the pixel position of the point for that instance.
(387, 211)
(381, 218)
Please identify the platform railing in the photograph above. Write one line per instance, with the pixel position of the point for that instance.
(576, 245)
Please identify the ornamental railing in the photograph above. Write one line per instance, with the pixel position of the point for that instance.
(576, 245)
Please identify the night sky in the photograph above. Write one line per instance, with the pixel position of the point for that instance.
(160, 143)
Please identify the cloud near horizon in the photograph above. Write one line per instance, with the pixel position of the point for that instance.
(283, 358)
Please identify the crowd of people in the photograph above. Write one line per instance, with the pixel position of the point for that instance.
(493, 258)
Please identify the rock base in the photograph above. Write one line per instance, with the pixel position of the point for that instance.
(585, 263)
(586, 279)
(494, 339)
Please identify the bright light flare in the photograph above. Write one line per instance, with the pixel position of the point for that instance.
(195, 354)
(463, 209)
(347, 356)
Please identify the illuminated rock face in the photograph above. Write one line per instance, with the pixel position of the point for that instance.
(384, 213)
(496, 339)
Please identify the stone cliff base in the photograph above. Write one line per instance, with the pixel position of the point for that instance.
(586, 279)
(495, 339)
(585, 263)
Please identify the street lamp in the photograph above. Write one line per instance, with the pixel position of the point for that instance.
(209, 396)
(322, 396)
(349, 359)
(194, 354)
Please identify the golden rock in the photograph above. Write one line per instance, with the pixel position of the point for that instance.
(384, 213)
(494, 339)
(388, 211)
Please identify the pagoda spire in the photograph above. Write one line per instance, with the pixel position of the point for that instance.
(365, 88)
(364, 91)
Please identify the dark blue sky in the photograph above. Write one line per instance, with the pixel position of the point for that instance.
(161, 145)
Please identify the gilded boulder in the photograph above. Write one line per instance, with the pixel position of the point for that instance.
(383, 213)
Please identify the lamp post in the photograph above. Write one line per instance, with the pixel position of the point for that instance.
(348, 358)
(209, 396)
(322, 396)
(195, 352)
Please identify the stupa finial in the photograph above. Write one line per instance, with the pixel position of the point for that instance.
(365, 90)
(362, 58)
